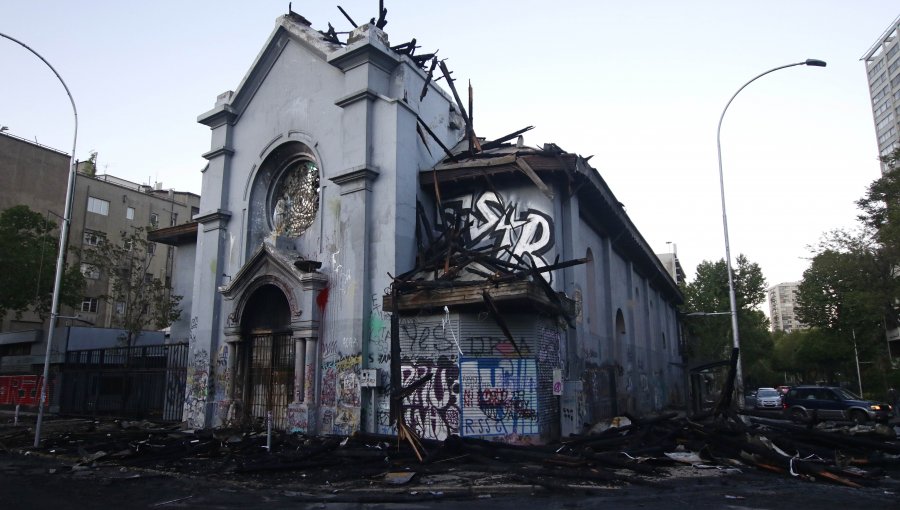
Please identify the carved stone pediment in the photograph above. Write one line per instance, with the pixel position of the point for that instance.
(269, 265)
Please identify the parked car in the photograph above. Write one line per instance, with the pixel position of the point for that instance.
(832, 403)
(768, 398)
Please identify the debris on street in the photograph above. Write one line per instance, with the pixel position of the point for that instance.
(626, 450)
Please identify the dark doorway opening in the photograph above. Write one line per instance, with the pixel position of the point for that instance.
(267, 368)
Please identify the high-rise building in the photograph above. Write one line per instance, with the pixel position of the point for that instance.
(782, 298)
(883, 69)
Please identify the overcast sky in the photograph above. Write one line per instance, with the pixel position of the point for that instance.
(638, 85)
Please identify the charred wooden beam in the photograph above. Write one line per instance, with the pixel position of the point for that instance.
(382, 16)
(474, 145)
(347, 16)
(493, 144)
(421, 59)
(436, 139)
(331, 35)
(548, 290)
(402, 393)
(459, 103)
(406, 48)
(535, 178)
(396, 381)
(495, 313)
(428, 77)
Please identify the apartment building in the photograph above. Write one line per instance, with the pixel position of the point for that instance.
(883, 71)
(782, 298)
(103, 206)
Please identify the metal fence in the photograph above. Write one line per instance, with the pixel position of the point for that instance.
(271, 378)
(133, 382)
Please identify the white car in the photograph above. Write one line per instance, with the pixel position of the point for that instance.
(768, 398)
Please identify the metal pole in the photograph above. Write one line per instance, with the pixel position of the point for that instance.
(269, 432)
(63, 241)
(739, 378)
(856, 356)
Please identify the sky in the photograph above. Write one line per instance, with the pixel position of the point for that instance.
(640, 86)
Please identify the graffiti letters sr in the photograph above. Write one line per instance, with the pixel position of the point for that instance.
(491, 220)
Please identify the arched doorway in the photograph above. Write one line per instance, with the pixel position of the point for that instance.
(268, 360)
(624, 386)
(619, 342)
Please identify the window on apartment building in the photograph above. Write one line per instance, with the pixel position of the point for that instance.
(129, 213)
(98, 206)
(876, 67)
(90, 271)
(893, 67)
(120, 308)
(154, 220)
(893, 51)
(89, 304)
(174, 220)
(128, 244)
(886, 121)
(148, 277)
(92, 238)
(151, 248)
(194, 211)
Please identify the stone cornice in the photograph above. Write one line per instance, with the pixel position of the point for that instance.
(213, 220)
(359, 95)
(218, 116)
(355, 179)
(217, 152)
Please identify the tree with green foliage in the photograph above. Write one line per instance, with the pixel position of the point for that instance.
(28, 250)
(142, 300)
(711, 335)
(849, 294)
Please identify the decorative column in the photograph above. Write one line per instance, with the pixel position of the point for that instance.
(303, 411)
(299, 368)
(231, 407)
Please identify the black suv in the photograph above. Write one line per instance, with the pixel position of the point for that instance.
(832, 403)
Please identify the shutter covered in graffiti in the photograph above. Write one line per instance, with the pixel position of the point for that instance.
(507, 387)
(429, 345)
(496, 388)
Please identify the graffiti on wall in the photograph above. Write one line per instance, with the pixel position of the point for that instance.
(493, 346)
(198, 382)
(499, 396)
(551, 350)
(503, 223)
(432, 411)
(223, 376)
(340, 366)
(21, 390)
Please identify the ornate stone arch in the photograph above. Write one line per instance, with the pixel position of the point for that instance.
(235, 318)
(288, 162)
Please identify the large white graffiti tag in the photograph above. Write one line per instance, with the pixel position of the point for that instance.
(511, 229)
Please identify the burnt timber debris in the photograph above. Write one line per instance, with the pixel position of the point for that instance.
(622, 451)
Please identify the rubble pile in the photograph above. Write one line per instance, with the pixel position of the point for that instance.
(623, 450)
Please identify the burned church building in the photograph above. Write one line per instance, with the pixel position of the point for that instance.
(364, 261)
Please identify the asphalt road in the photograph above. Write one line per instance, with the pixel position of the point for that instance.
(33, 482)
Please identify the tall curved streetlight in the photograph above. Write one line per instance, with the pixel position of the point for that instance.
(739, 379)
(63, 241)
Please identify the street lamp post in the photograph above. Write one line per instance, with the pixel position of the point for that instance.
(739, 378)
(63, 241)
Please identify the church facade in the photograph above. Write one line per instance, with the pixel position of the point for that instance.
(356, 267)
